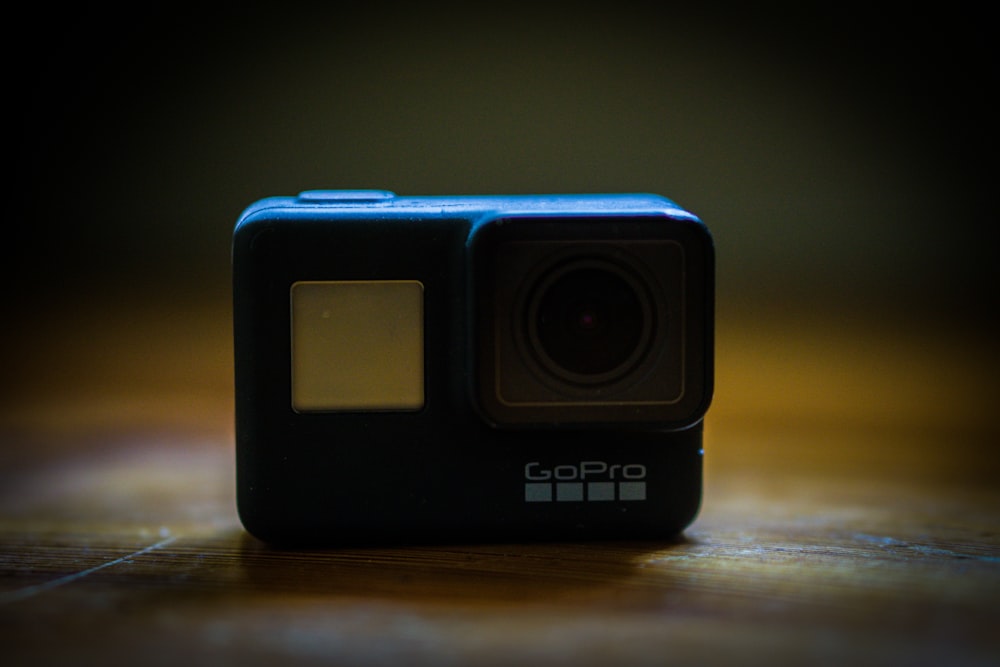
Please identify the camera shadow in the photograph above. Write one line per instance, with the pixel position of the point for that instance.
(522, 573)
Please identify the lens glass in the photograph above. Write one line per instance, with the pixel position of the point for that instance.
(590, 322)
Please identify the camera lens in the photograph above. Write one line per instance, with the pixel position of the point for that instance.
(590, 321)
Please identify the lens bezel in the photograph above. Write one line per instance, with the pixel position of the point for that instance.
(670, 387)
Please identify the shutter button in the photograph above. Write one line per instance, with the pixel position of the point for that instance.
(345, 196)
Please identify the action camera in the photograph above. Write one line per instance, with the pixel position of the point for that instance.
(470, 368)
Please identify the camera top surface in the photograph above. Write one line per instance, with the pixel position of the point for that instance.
(383, 203)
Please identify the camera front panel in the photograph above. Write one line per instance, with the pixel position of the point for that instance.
(358, 348)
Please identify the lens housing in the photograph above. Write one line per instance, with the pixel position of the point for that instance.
(596, 321)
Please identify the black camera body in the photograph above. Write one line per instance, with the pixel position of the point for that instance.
(470, 368)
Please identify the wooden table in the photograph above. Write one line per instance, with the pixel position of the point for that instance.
(851, 516)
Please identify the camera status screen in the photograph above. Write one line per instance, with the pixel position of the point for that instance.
(357, 345)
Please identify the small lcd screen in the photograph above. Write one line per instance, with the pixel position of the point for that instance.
(357, 346)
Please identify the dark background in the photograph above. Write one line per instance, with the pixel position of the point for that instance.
(844, 158)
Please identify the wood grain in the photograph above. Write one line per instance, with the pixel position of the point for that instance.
(851, 515)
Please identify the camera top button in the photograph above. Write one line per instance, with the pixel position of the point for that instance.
(345, 196)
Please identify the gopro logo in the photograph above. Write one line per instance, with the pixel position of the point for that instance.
(586, 481)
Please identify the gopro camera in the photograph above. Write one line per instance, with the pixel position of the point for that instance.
(470, 368)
